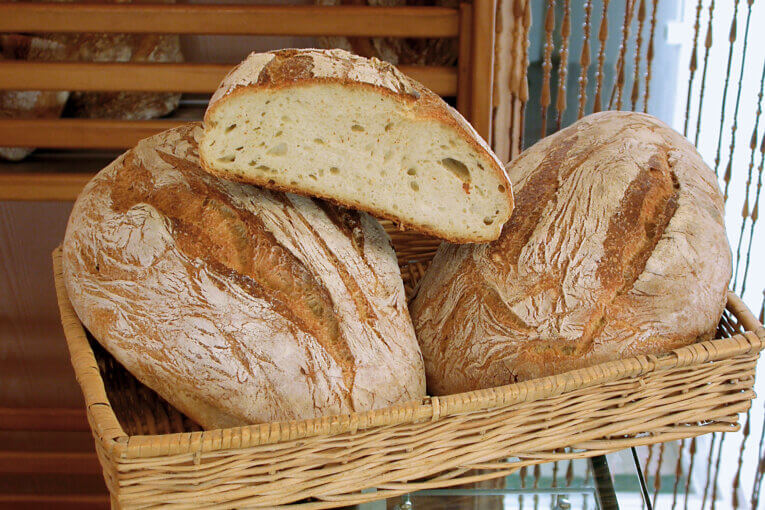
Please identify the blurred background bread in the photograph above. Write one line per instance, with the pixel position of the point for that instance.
(29, 104)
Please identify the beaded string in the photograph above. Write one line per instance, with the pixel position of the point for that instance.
(635, 95)
(678, 472)
(692, 452)
(565, 32)
(544, 96)
(616, 91)
(755, 215)
(524, 93)
(602, 37)
(709, 470)
(729, 167)
(657, 475)
(693, 64)
(753, 151)
(737, 478)
(731, 43)
(584, 59)
(649, 57)
(707, 47)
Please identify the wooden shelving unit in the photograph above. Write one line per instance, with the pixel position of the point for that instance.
(46, 178)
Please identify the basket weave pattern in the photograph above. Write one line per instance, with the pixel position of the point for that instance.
(442, 441)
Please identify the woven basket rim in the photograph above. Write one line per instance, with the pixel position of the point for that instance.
(114, 440)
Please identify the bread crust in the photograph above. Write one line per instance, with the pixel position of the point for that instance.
(616, 248)
(303, 67)
(238, 305)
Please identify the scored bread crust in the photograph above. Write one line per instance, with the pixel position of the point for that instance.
(616, 248)
(301, 67)
(238, 305)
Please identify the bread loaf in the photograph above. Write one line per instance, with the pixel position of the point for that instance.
(123, 48)
(235, 304)
(356, 131)
(616, 248)
(29, 104)
(101, 47)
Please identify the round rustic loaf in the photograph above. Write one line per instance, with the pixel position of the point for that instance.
(616, 248)
(235, 304)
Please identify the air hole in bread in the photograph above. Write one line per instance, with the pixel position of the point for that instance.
(265, 168)
(271, 181)
(279, 133)
(457, 167)
(358, 128)
(334, 170)
(414, 185)
(285, 118)
(227, 159)
(388, 126)
(318, 141)
(501, 188)
(230, 128)
(278, 150)
(239, 148)
(488, 221)
(312, 176)
(411, 171)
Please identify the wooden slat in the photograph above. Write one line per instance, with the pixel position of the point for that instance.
(55, 501)
(41, 186)
(302, 20)
(482, 63)
(73, 463)
(139, 77)
(463, 62)
(79, 133)
(43, 419)
(199, 78)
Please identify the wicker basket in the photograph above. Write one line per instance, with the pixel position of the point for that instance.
(152, 455)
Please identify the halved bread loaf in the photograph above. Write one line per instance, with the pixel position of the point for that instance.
(356, 131)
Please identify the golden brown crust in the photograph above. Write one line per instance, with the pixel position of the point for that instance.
(237, 304)
(616, 248)
(303, 67)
